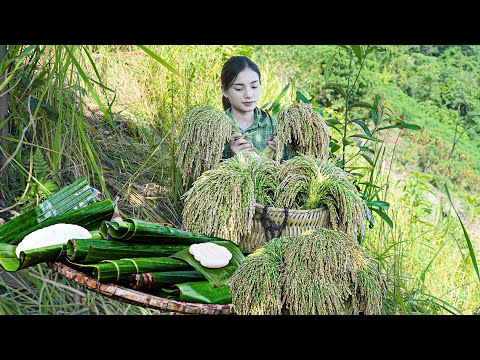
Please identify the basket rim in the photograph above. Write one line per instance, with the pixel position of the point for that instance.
(294, 211)
(136, 297)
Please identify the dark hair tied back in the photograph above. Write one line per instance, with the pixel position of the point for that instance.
(231, 68)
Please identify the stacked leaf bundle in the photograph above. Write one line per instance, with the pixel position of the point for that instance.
(141, 255)
(155, 259)
(74, 204)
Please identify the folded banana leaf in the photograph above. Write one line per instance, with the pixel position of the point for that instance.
(135, 230)
(74, 196)
(216, 277)
(115, 270)
(199, 292)
(155, 280)
(10, 262)
(96, 249)
(89, 217)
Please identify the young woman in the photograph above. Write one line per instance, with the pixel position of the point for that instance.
(240, 80)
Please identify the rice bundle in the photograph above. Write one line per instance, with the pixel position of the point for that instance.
(321, 272)
(265, 181)
(303, 130)
(221, 202)
(308, 183)
(203, 133)
(256, 284)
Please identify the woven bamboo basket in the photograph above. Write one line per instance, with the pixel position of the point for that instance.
(136, 297)
(283, 222)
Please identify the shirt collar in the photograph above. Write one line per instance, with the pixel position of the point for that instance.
(259, 118)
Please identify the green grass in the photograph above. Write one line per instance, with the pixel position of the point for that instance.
(38, 290)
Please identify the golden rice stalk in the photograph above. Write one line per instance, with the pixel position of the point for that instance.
(221, 202)
(264, 175)
(203, 133)
(319, 274)
(295, 176)
(371, 289)
(308, 183)
(348, 211)
(302, 129)
(256, 285)
(328, 272)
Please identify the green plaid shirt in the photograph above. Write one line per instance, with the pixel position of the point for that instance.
(259, 132)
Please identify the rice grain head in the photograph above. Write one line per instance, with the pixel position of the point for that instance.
(307, 182)
(321, 272)
(327, 272)
(256, 284)
(221, 202)
(204, 130)
(319, 275)
(302, 129)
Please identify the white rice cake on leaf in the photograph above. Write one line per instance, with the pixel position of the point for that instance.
(52, 235)
(210, 255)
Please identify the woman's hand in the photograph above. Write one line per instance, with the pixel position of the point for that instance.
(272, 143)
(238, 143)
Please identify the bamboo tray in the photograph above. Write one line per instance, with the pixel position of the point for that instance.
(139, 298)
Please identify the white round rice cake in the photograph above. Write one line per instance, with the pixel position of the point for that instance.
(210, 255)
(52, 235)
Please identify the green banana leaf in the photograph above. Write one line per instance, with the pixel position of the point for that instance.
(199, 292)
(216, 277)
(136, 230)
(155, 280)
(96, 249)
(89, 217)
(74, 196)
(8, 259)
(115, 270)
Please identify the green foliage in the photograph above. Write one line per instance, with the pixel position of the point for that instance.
(414, 189)
(40, 187)
(40, 166)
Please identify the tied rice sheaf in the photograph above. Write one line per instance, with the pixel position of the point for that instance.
(221, 202)
(307, 182)
(201, 138)
(321, 272)
(302, 130)
(202, 135)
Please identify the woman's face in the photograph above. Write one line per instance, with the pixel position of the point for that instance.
(244, 93)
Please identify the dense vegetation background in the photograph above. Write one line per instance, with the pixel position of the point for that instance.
(111, 113)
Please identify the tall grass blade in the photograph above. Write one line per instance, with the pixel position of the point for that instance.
(467, 238)
(89, 85)
(161, 61)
